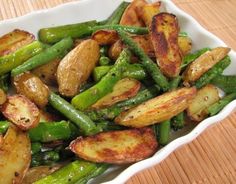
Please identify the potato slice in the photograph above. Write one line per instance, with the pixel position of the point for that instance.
(131, 15)
(14, 40)
(124, 89)
(142, 40)
(15, 156)
(3, 97)
(148, 11)
(205, 97)
(36, 173)
(118, 147)
(47, 72)
(21, 111)
(76, 67)
(158, 109)
(105, 37)
(203, 63)
(185, 44)
(32, 87)
(164, 36)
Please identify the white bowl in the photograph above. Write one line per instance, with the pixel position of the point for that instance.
(85, 10)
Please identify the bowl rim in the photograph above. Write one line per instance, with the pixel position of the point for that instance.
(164, 152)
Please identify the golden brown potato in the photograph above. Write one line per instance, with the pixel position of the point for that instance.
(158, 109)
(131, 15)
(118, 147)
(3, 97)
(142, 40)
(185, 44)
(47, 72)
(14, 40)
(21, 111)
(124, 89)
(148, 11)
(36, 173)
(76, 67)
(205, 97)
(105, 37)
(164, 36)
(15, 156)
(203, 63)
(1, 140)
(32, 87)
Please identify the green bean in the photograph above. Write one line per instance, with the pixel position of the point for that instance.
(100, 71)
(4, 82)
(71, 173)
(147, 63)
(164, 131)
(104, 61)
(51, 131)
(11, 61)
(178, 121)
(84, 100)
(4, 126)
(218, 106)
(192, 56)
(44, 158)
(117, 14)
(109, 126)
(81, 120)
(129, 29)
(216, 70)
(225, 82)
(174, 83)
(36, 147)
(53, 52)
(54, 34)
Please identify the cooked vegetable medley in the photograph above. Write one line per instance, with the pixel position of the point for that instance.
(92, 94)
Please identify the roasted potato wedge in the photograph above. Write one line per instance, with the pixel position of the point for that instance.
(21, 111)
(75, 68)
(124, 89)
(131, 15)
(105, 37)
(15, 156)
(203, 63)
(158, 109)
(164, 31)
(185, 44)
(47, 72)
(36, 173)
(3, 97)
(142, 40)
(14, 40)
(32, 87)
(1, 140)
(118, 147)
(205, 97)
(148, 11)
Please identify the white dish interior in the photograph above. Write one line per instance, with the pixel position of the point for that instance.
(85, 10)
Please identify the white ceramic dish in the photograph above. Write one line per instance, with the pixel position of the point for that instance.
(84, 10)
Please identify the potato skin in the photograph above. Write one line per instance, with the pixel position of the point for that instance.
(21, 111)
(164, 36)
(118, 147)
(33, 88)
(14, 40)
(3, 97)
(203, 63)
(75, 68)
(105, 37)
(15, 156)
(158, 109)
(124, 89)
(131, 16)
(47, 72)
(205, 97)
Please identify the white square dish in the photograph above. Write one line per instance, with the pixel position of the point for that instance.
(84, 10)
